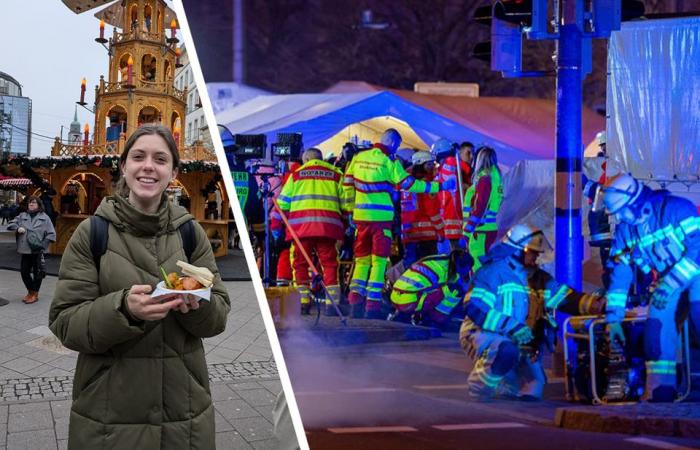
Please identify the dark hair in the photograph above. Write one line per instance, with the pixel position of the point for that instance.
(147, 130)
(466, 144)
(38, 201)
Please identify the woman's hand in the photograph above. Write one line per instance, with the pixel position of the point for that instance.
(189, 303)
(144, 307)
(21, 230)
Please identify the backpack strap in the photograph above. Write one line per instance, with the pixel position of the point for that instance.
(188, 238)
(99, 234)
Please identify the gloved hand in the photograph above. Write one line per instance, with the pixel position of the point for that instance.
(661, 295)
(615, 332)
(522, 335)
(276, 235)
(598, 305)
(448, 185)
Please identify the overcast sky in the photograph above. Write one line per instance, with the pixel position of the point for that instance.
(49, 49)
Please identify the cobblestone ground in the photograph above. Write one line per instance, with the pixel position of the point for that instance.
(40, 388)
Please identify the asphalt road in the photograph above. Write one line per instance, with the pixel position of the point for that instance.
(412, 395)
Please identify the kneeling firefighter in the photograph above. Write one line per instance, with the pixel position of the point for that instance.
(508, 313)
(660, 232)
(432, 287)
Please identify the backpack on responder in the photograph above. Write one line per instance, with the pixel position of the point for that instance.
(99, 227)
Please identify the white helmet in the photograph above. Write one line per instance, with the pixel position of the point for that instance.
(405, 155)
(601, 137)
(441, 148)
(621, 191)
(523, 237)
(422, 157)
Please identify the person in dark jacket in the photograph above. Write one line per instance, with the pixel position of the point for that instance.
(141, 379)
(509, 309)
(34, 231)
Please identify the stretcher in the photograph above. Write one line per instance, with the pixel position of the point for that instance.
(587, 333)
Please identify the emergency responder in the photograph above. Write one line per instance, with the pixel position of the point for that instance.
(432, 287)
(444, 152)
(485, 197)
(311, 199)
(348, 152)
(466, 154)
(282, 246)
(598, 219)
(661, 232)
(508, 310)
(421, 224)
(368, 185)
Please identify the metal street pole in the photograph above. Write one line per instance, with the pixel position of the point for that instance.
(568, 156)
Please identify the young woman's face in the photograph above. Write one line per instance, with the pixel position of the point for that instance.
(32, 206)
(148, 169)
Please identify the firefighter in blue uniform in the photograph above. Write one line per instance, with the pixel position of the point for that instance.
(660, 232)
(509, 317)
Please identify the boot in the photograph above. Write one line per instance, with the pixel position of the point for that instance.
(27, 297)
(33, 297)
(334, 294)
(357, 310)
(305, 299)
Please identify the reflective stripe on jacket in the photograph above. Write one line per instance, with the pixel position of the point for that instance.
(311, 195)
(423, 277)
(486, 200)
(369, 182)
(420, 217)
(501, 292)
(450, 204)
(667, 242)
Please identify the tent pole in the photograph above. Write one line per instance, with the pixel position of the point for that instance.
(567, 187)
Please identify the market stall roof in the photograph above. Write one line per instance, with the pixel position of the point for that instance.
(518, 128)
(15, 182)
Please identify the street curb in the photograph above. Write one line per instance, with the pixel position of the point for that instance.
(627, 420)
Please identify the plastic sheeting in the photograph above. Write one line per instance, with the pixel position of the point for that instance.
(528, 189)
(653, 98)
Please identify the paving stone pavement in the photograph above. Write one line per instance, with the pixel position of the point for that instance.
(36, 373)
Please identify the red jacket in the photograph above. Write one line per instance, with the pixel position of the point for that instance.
(450, 205)
(275, 218)
(420, 217)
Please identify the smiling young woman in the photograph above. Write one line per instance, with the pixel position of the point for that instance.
(141, 379)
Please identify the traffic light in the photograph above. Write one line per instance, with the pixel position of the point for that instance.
(530, 15)
(605, 16)
(504, 50)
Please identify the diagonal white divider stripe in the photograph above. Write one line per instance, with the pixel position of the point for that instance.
(439, 387)
(656, 443)
(386, 429)
(478, 426)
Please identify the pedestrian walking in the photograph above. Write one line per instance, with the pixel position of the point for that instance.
(34, 231)
(141, 379)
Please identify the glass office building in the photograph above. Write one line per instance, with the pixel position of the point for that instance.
(15, 118)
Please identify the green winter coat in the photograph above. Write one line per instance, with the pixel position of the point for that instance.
(137, 385)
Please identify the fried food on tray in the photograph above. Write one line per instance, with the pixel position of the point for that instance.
(179, 283)
(195, 278)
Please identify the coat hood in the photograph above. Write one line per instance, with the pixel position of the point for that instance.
(125, 217)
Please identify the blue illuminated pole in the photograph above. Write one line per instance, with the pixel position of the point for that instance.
(568, 155)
